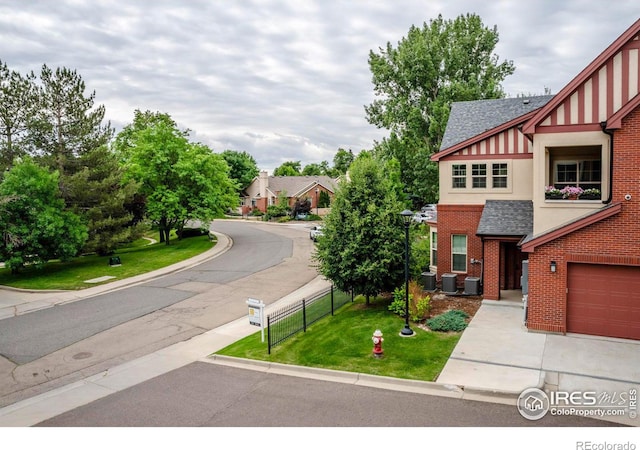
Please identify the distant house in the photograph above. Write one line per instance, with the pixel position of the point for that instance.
(502, 164)
(265, 190)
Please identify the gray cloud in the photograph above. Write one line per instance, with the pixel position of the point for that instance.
(282, 80)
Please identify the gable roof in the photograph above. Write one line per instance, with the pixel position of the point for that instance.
(630, 35)
(473, 121)
(469, 119)
(295, 186)
(506, 218)
(531, 242)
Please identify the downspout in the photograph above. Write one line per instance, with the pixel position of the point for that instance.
(603, 125)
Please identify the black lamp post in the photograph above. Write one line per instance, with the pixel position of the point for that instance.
(317, 191)
(406, 219)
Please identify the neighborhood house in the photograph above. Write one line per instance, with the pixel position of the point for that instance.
(542, 194)
(265, 190)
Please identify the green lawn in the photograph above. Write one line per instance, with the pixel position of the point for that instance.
(137, 258)
(343, 342)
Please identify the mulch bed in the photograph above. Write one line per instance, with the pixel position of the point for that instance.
(441, 303)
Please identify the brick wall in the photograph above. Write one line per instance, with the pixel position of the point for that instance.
(459, 219)
(615, 240)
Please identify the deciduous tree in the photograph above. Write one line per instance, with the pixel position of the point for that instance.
(416, 81)
(34, 225)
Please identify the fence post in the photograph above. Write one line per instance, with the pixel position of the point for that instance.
(269, 333)
(304, 316)
(332, 299)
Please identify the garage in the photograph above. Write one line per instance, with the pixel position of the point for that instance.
(604, 300)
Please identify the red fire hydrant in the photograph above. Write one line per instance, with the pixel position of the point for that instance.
(377, 343)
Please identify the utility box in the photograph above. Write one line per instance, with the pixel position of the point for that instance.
(428, 280)
(524, 279)
(472, 285)
(449, 283)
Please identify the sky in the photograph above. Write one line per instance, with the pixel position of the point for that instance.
(282, 80)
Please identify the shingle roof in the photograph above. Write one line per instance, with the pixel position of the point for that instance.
(296, 185)
(469, 119)
(506, 218)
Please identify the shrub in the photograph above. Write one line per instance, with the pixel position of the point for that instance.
(454, 320)
(418, 302)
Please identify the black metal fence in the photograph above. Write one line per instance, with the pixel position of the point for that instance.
(291, 319)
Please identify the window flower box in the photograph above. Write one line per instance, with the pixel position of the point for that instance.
(552, 193)
(590, 194)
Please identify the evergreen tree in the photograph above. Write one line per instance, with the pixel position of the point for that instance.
(18, 102)
(362, 246)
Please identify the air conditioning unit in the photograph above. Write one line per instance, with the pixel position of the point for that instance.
(472, 286)
(449, 283)
(428, 280)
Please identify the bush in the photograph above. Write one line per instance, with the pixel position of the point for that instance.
(191, 232)
(418, 302)
(454, 320)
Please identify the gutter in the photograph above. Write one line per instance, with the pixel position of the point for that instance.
(603, 125)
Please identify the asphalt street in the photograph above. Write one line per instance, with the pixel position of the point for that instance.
(203, 394)
(31, 336)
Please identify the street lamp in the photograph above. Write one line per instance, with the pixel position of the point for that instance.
(406, 219)
(317, 192)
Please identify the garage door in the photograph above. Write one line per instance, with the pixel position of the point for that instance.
(604, 300)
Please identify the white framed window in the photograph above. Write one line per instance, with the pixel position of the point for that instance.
(434, 248)
(459, 253)
(479, 176)
(499, 173)
(459, 176)
(586, 174)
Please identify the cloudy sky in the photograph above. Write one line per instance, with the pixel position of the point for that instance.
(281, 79)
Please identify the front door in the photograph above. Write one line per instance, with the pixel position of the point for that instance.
(511, 267)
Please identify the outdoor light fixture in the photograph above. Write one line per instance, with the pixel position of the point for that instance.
(554, 267)
(406, 219)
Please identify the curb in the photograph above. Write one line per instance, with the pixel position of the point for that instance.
(367, 380)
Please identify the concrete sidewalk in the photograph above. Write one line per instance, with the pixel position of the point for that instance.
(497, 354)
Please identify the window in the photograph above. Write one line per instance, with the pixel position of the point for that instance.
(479, 175)
(459, 252)
(434, 248)
(459, 175)
(499, 175)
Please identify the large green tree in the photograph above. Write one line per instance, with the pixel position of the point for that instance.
(181, 181)
(242, 167)
(416, 81)
(288, 169)
(362, 246)
(18, 103)
(99, 193)
(67, 124)
(34, 225)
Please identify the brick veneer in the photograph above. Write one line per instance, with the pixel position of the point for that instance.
(459, 219)
(614, 240)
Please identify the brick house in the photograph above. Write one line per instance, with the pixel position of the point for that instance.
(265, 190)
(496, 162)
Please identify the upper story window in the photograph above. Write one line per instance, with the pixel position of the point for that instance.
(459, 172)
(581, 173)
(575, 167)
(479, 175)
(499, 175)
